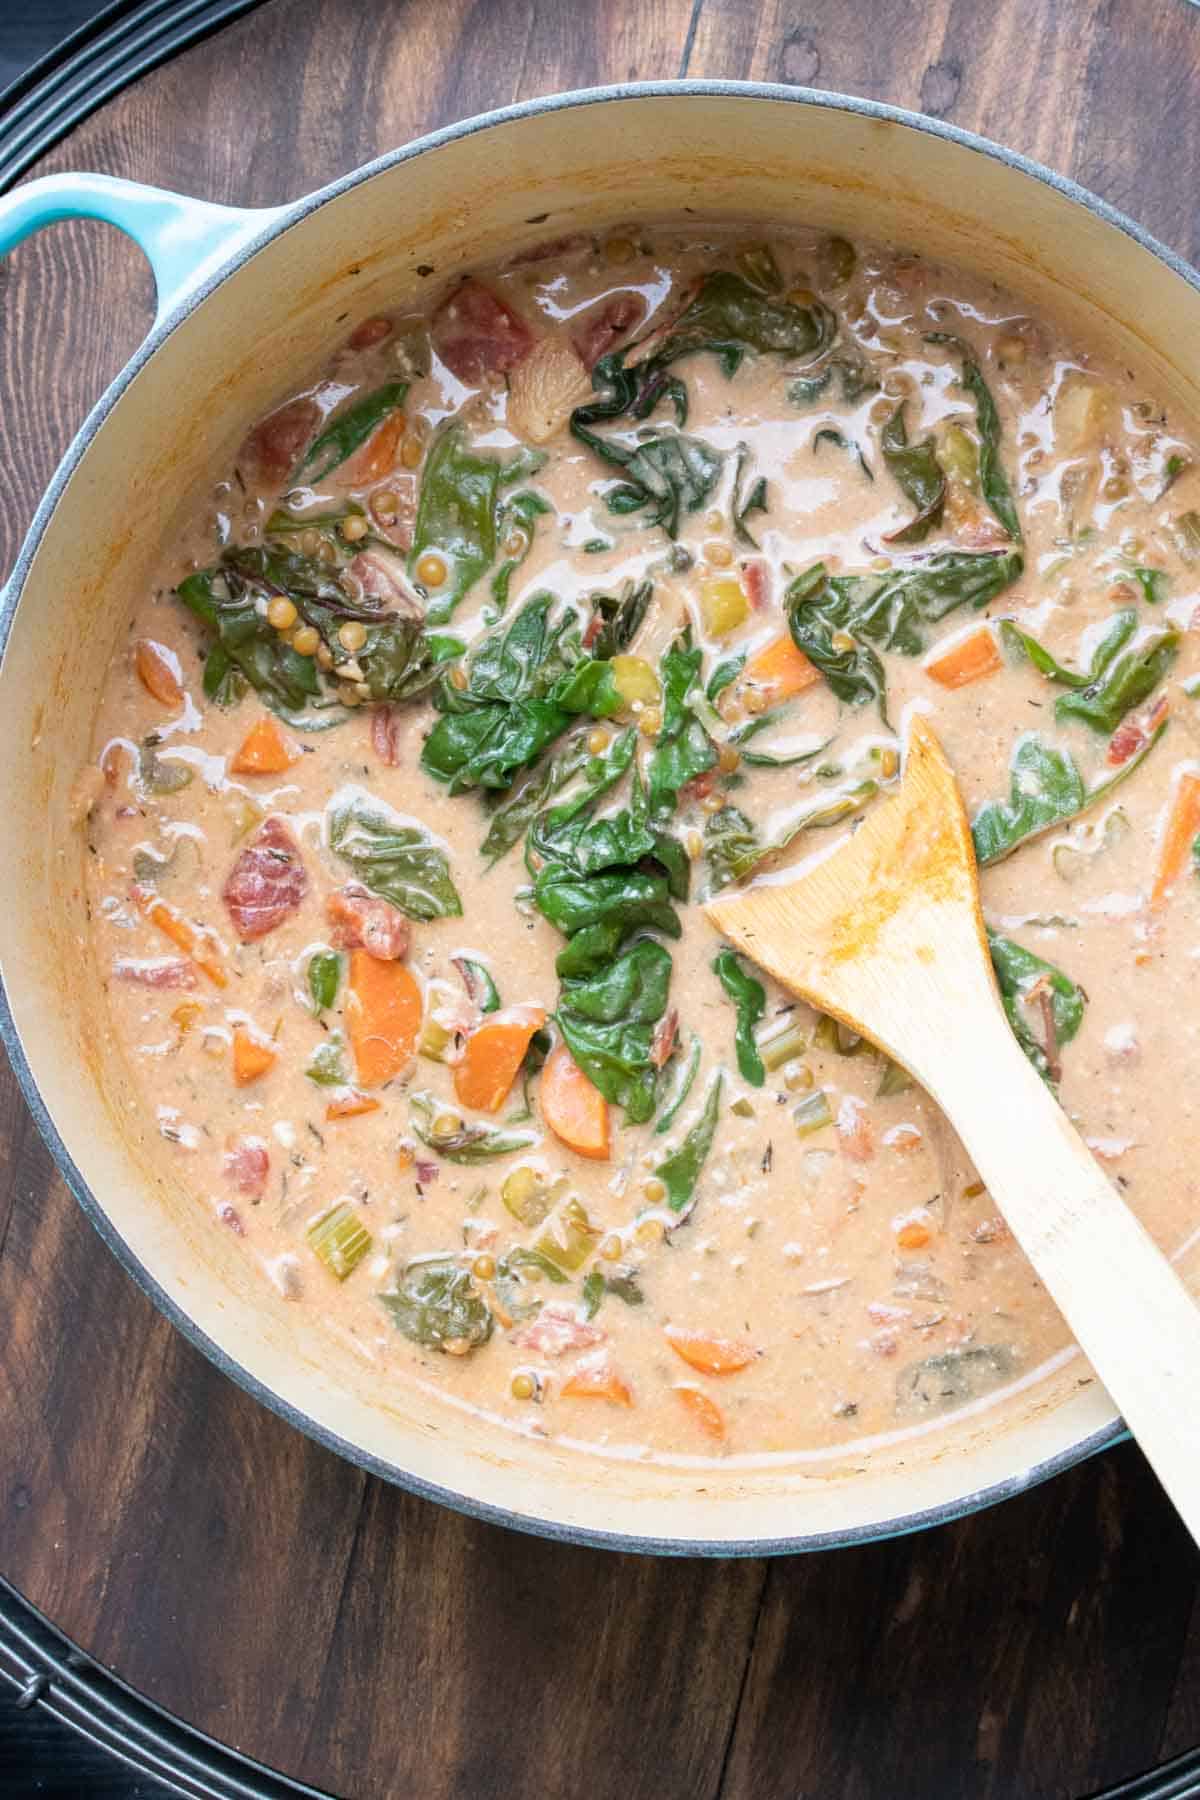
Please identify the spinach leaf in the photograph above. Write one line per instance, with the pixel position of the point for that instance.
(394, 858)
(1105, 692)
(828, 434)
(511, 820)
(1019, 973)
(618, 899)
(769, 759)
(731, 846)
(621, 1282)
(993, 481)
(585, 846)
(1047, 789)
(247, 649)
(324, 978)
(456, 516)
(608, 1019)
(681, 1171)
(471, 1143)
(918, 472)
(1153, 583)
(856, 377)
(729, 317)
(435, 1303)
(683, 748)
(666, 475)
(819, 609)
(599, 774)
(617, 618)
(742, 505)
(516, 518)
(348, 429)
(725, 673)
(750, 998)
(681, 1088)
(485, 748)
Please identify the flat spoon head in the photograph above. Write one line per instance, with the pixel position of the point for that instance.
(892, 915)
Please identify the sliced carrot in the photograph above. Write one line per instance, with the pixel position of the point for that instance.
(157, 670)
(781, 670)
(970, 659)
(598, 1381)
(574, 1109)
(706, 1412)
(1183, 823)
(196, 944)
(350, 1104)
(383, 1016)
(377, 457)
(493, 1055)
(264, 751)
(710, 1354)
(913, 1236)
(251, 1057)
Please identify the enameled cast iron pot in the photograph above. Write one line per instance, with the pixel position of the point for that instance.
(244, 295)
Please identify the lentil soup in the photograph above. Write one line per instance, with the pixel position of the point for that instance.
(520, 627)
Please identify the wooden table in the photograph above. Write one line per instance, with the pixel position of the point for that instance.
(335, 1627)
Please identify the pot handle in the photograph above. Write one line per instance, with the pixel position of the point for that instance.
(184, 240)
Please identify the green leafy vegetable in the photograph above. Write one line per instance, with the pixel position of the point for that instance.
(952, 1377)
(1110, 688)
(731, 846)
(324, 978)
(435, 1304)
(856, 378)
(1023, 977)
(470, 1143)
(750, 998)
(478, 982)
(456, 515)
(681, 1170)
(327, 1064)
(993, 481)
(725, 674)
(666, 475)
(393, 858)
(621, 1282)
(728, 317)
(828, 434)
(608, 1020)
(517, 518)
(512, 819)
(819, 608)
(348, 429)
(917, 471)
(754, 500)
(681, 1088)
(1153, 583)
(1046, 789)
(683, 748)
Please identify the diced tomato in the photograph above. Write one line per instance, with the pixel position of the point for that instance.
(267, 882)
(557, 1330)
(699, 787)
(274, 445)
(756, 579)
(370, 332)
(364, 923)
(156, 971)
(602, 327)
(247, 1165)
(476, 334)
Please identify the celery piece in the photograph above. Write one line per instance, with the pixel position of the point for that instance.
(340, 1239)
(783, 1044)
(568, 1239)
(812, 1113)
(326, 1066)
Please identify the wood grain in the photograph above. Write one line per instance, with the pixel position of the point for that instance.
(348, 1633)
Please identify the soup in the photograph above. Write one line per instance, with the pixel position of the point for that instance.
(520, 628)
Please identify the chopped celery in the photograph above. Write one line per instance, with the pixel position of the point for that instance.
(783, 1044)
(326, 1066)
(568, 1239)
(812, 1113)
(527, 1196)
(340, 1239)
(831, 1034)
(434, 1039)
(1187, 535)
(893, 1080)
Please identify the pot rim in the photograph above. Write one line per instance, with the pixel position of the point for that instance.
(287, 217)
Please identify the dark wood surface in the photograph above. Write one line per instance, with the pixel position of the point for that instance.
(340, 1629)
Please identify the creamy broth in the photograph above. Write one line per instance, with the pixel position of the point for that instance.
(300, 936)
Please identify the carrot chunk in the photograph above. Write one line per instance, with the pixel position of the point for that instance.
(350, 1105)
(598, 1380)
(970, 659)
(781, 670)
(383, 1016)
(575, 1110)
(251, 1057)
(377, 457)
(710, 1354)
(1183, 823)
(704, 1411)
(156, 670)
(196, 944)
(264, 751)
(493, 1056)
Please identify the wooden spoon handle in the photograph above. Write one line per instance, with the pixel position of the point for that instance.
(1130, 1312)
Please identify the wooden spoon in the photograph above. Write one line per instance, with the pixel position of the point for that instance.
(887, 935)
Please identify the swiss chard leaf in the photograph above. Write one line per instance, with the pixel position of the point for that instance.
(752, 500)
(666, 475)
(917, 471)
(993, 481)
(1121, 629)
(621, 1282)
(681, 1171)
(348, 430)
(1113, 685)
(1046, 789)
(608, 1020)
(855, 375)
(470, 1143)
(750, 998)
(732, 846)
(728, 317)
(516, 519)
(456, 517)
(512, 819)
(819, 610)
(1019, 974)
(247, 649)
(435, 1303)
(617, 618)
(683, 748)
(392, 857)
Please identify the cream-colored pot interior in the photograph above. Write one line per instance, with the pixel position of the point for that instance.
(477, 194)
